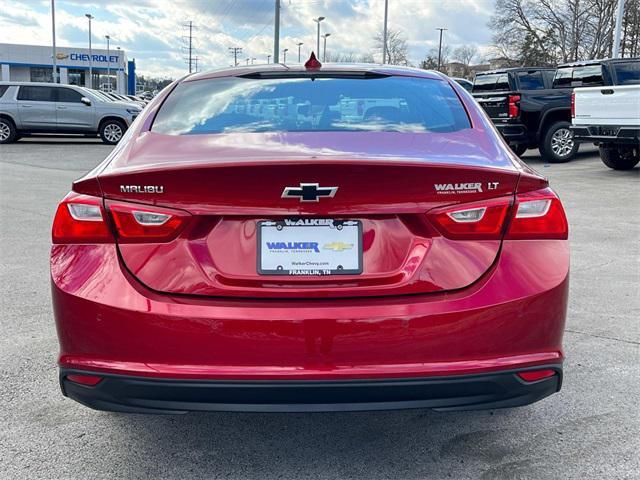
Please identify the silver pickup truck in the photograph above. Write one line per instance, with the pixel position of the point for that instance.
(27, 107)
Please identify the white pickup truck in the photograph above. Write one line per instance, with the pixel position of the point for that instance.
(609, 116)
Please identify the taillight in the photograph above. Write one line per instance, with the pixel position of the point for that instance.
(538, 214)
(534, 215)
(573, 104)
(80, 219)
(482, 220)
(146, 224)
(84, 219)
(514, 106)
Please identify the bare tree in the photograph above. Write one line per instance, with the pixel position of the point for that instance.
(552, 31)
(465, 55)
(430, 61)
(397, 50)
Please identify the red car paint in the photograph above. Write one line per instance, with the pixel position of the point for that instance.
(431, 301)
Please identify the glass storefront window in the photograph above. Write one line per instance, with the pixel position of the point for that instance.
(76, 77)
(41, 74)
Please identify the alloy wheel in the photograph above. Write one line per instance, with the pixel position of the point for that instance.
(562, 142)
(113, 132)
(5, 131)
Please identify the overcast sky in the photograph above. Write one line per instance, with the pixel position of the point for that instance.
(152, 31)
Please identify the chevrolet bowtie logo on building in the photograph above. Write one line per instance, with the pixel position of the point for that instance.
(309, 192)
(61, 56)
(338, 246)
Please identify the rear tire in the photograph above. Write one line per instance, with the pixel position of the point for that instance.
(8, 132)
(519, 149)
(112, 131)
(558, 145)
(620, 158)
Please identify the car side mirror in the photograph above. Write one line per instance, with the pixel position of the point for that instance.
(86, 101)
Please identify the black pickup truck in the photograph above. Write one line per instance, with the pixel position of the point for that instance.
(531, 106)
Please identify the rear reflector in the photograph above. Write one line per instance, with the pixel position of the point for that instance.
(89, 380)
(534, 375)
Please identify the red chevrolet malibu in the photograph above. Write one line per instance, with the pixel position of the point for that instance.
(308, 238)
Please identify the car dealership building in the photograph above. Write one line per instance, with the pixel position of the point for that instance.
(34, 63)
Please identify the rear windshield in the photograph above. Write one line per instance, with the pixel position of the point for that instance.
(627, 73)
(491, 83)
(300, 104)
(530, 80)
(582, 76)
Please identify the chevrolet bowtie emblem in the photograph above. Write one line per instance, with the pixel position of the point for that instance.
(338, 246)
(309, 192)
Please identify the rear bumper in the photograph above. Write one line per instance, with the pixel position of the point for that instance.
(463, 392)
(606, 134)
(513, 133)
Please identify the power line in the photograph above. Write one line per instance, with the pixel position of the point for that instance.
(235, 51)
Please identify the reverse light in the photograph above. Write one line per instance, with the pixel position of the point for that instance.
(141, 224)
(482, 220)
(514, 106)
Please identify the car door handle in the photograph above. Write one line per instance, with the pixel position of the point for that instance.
(26, 106)
(62, 108)
(607, 91)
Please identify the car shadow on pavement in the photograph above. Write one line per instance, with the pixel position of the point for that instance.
(400, 444)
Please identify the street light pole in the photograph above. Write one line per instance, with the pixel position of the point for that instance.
(616, 39)
(299, 45)
(276, 35)
(324, 53)
(440, 47)
(284, 55)
(108, 61)
(268, 58)
(384, 31)
(318, 20)
(90, 17)
(53, 31)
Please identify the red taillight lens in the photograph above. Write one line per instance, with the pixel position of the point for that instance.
(141, 223)
(538, 214)
(482, 220)
(573, 104)
(80, 219)
(514, 106)
(535, 375)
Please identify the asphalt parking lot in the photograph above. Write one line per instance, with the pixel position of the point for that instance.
(591, 429)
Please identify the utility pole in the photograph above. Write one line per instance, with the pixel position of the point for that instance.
(190, 43)
(53, 31)
(616, 38)
(324, 54)
(276, 35)
(299, 45)
(384, 32)
(318, 20)
(440, 47)
(90, 17)
(235, 51)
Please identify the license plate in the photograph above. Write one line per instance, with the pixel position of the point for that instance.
(310, 247)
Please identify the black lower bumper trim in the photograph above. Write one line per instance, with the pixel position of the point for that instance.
(122, 393)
